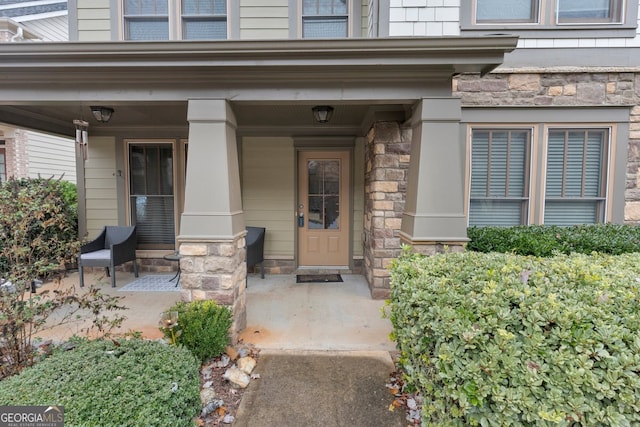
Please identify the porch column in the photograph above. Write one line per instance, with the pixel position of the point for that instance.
(434, 212)
(212, 226)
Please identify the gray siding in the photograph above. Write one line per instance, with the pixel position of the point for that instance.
(100, 182)
(259, 20)
(268, 191)
(94, 20)
(51, 156)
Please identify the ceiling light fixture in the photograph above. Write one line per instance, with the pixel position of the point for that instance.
(322, 113)
(102, 114)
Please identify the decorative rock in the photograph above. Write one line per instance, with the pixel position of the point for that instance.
(211, 406)
(228, 419)
(246, 364)
(207, 395)
(223, 362)
(237, 377)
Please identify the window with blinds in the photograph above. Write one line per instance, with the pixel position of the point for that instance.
(575, 180)
(204, 19)
(499, 190)
(325, 19)
(151, 194)
(3, 163)
(146, 20)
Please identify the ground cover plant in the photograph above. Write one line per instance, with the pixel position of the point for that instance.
(201, 326)
(121, 383)
(501, 339)
(545, 240)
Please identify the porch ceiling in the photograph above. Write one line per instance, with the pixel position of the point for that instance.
(45, 86)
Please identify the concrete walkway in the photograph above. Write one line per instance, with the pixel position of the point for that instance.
(324, 389)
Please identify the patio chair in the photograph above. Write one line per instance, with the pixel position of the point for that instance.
(255, 247)
(114, 246)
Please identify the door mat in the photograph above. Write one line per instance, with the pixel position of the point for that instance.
(318, 278)
(153, 283)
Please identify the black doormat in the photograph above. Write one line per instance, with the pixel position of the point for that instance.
(318, 278)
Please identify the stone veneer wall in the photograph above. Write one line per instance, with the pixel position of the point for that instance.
(216, 271)
(387, 155)
(601, 89)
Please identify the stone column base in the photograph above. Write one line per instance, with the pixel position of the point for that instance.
(433, 248)
(216, 270)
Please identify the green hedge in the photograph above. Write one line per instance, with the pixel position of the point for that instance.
(99, 383)
(540, 240)
(500, 339)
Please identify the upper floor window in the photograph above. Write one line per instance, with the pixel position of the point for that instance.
(175, 19)
(564, 11)
(146, 20)
(587, 11)
(204, 19)
(325, 19)
(511, 11)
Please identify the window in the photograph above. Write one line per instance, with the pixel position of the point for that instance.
(204, 19)
(3, 163)
(325, 19)
(551, 18)
(146, 20)
(510, 11)
(499, 188)
(585, 11)
(575, 178)
(173, 19)
(151, 193)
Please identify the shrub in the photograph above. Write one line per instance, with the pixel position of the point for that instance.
(499, 339)
(38, 234)
(202, 327)
(124, 383)
(541, 240)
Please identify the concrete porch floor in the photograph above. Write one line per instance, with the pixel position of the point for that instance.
(281, 315)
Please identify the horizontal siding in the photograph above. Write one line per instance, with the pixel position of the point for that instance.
(50, 29)
(94, 18)
(264, 21)
(101, 185)
(268, 191)
(51, 156)
(358, 197)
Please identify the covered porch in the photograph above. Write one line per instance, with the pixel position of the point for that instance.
(234, 122)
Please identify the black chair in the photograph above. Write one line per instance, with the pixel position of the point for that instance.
(255, 247)
(114, 246)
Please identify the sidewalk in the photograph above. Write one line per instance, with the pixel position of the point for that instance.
(324, 389)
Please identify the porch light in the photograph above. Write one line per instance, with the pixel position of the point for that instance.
(322, 113)
(102, 114)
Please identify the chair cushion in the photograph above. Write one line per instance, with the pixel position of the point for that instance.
(103, 254)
